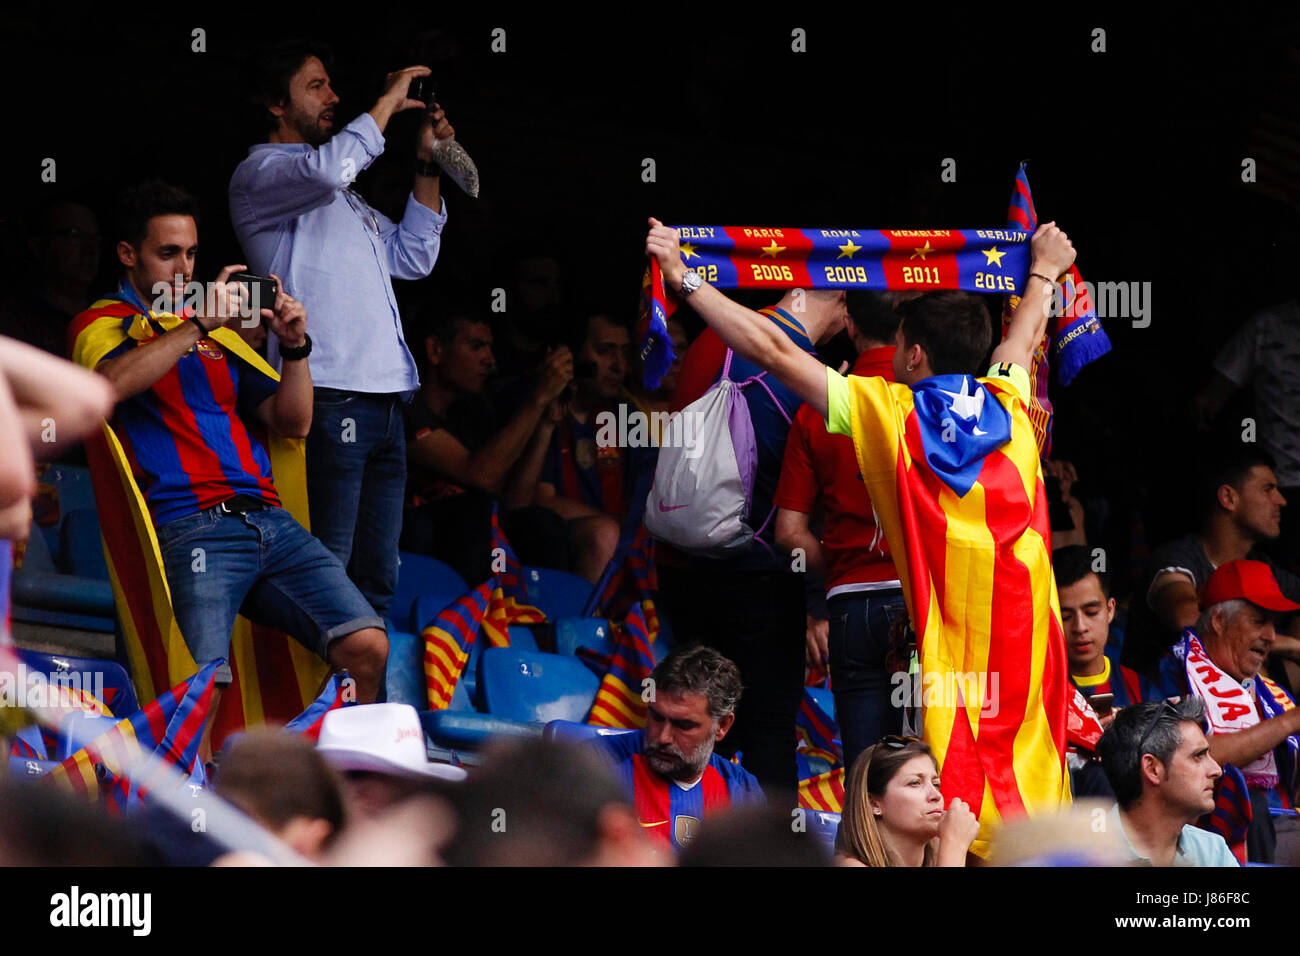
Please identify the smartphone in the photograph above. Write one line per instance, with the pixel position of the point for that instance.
(262, 290)
(421, 89)
(1102, 704)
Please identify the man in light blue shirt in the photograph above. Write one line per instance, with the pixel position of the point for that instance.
(296, 215)
(1158, 763)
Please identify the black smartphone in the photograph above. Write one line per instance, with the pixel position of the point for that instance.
(421, 89)
(261, 289)
(1102, 704)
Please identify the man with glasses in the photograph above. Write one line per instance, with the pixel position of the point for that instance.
(1158, 762)
(296, 214)
(1253, 723)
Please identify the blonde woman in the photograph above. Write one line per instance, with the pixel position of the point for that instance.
(893, 810)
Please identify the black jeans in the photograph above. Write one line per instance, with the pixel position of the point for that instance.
(860, 623)
(756, 619)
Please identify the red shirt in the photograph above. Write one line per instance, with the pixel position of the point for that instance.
(823, 468)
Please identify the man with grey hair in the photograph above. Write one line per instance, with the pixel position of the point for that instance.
(1158, 762)
(670, 772)
(1252, 723)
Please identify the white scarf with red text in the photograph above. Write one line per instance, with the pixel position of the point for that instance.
(1229, 706)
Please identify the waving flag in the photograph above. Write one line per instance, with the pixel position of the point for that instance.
(1076, 333)
(953, 473)
(448, 639)
(508, 603)
(275, 677)
(169, 728)
(618, 699)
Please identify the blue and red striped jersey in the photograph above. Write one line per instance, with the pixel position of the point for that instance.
(669, 814)
(185, 437)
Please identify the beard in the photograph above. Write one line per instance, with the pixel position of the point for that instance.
(311, 128)
(668, 761)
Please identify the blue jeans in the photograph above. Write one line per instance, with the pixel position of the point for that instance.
(264, 564)
(859, 643)
(356, 483)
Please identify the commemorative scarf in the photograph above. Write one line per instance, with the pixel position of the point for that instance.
(1230, 707)
(926, 260)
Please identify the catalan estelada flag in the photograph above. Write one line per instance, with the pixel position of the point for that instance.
(618, 699)
(275, 677)
(823, 792)
(168, 728)
(952, 467)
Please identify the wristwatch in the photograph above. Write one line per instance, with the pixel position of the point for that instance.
(690, 282)
(428, 167)
(301, 352)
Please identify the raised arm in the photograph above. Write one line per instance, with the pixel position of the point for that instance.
(751, 335)
(1051, 253)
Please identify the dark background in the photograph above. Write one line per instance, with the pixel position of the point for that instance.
(1137, 152)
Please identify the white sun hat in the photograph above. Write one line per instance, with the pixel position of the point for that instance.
(380, 738)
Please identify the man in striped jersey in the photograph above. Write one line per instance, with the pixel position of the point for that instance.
(669, 771)
(191, 401)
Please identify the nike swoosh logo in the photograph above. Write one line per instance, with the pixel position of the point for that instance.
(661, 823)
(670, 507)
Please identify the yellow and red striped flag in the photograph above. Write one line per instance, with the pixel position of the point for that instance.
(275, 677)
(823, 792)
(952, 467)
(618, 699)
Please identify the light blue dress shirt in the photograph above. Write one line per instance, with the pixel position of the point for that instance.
(296, 216)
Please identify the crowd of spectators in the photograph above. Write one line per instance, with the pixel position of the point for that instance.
(419, 428)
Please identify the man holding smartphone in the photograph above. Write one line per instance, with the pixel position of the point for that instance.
(296, 215)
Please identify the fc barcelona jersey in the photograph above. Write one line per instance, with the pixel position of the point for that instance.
(670, 815)
(188, 446)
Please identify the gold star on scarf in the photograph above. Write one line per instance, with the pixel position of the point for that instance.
(847, 250)
(688, 250)
(773, 249)
(922, 251)
(994, 257)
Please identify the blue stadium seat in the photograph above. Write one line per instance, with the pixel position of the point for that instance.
(557, 593)
(72, 483)
(568, 731)
(118, 691)
(78, 729)
(428, 606)
(535, 687)
(26, 767)
(824, 826)
(592, 633)
(419, 574)
(82, 551)
(466, 730)
(41, 595)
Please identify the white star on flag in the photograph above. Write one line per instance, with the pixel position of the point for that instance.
(967, 405)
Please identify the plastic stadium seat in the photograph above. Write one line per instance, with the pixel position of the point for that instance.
(568, 731)
(78, 729)
(592, 633)
(26, 767)
(82, 551)
(466, 730)
(428, 606)
(74, 490)
(557, 593)
(118, 691)
(419, 574)
(535, 687)
(41, 595)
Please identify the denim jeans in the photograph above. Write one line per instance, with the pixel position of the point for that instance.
(860, 622)
(356, 482)
(264, 564)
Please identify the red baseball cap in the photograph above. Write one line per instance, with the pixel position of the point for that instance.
(1249, 580)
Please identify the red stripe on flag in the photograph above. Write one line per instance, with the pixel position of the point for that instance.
(276, 678)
